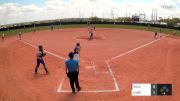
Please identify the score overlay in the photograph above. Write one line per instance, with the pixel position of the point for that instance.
(143, 89)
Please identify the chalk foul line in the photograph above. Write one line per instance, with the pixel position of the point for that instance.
(130, 51)
(44, 50)
(112, 74)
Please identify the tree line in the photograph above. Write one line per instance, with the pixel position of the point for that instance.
(172, 22)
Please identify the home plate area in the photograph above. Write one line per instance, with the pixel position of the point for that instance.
(94, 76)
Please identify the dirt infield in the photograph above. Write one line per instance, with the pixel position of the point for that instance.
(109, 65)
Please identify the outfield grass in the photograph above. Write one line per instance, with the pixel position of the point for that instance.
(153, 29)
(164, 30)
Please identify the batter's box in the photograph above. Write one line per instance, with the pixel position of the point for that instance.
(92, 81)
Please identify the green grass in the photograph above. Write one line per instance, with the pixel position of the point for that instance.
(164, 30)
(153, 29)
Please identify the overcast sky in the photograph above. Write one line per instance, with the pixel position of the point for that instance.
(14, 11)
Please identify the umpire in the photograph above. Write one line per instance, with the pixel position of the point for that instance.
(72, 71)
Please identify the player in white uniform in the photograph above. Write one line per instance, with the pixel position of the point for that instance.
(19, 34)
(3, 37)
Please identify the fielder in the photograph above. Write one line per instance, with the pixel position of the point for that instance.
(155, 35)
(3, 37)
(174, 33)
(34, 30)
(19, 34)
(52, 27)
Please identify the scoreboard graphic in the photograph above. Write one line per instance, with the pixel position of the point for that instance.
(151, 89)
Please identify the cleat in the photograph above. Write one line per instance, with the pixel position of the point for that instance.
(79, 89)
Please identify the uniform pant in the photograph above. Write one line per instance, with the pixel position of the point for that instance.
(73, 78)
(40, 61)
